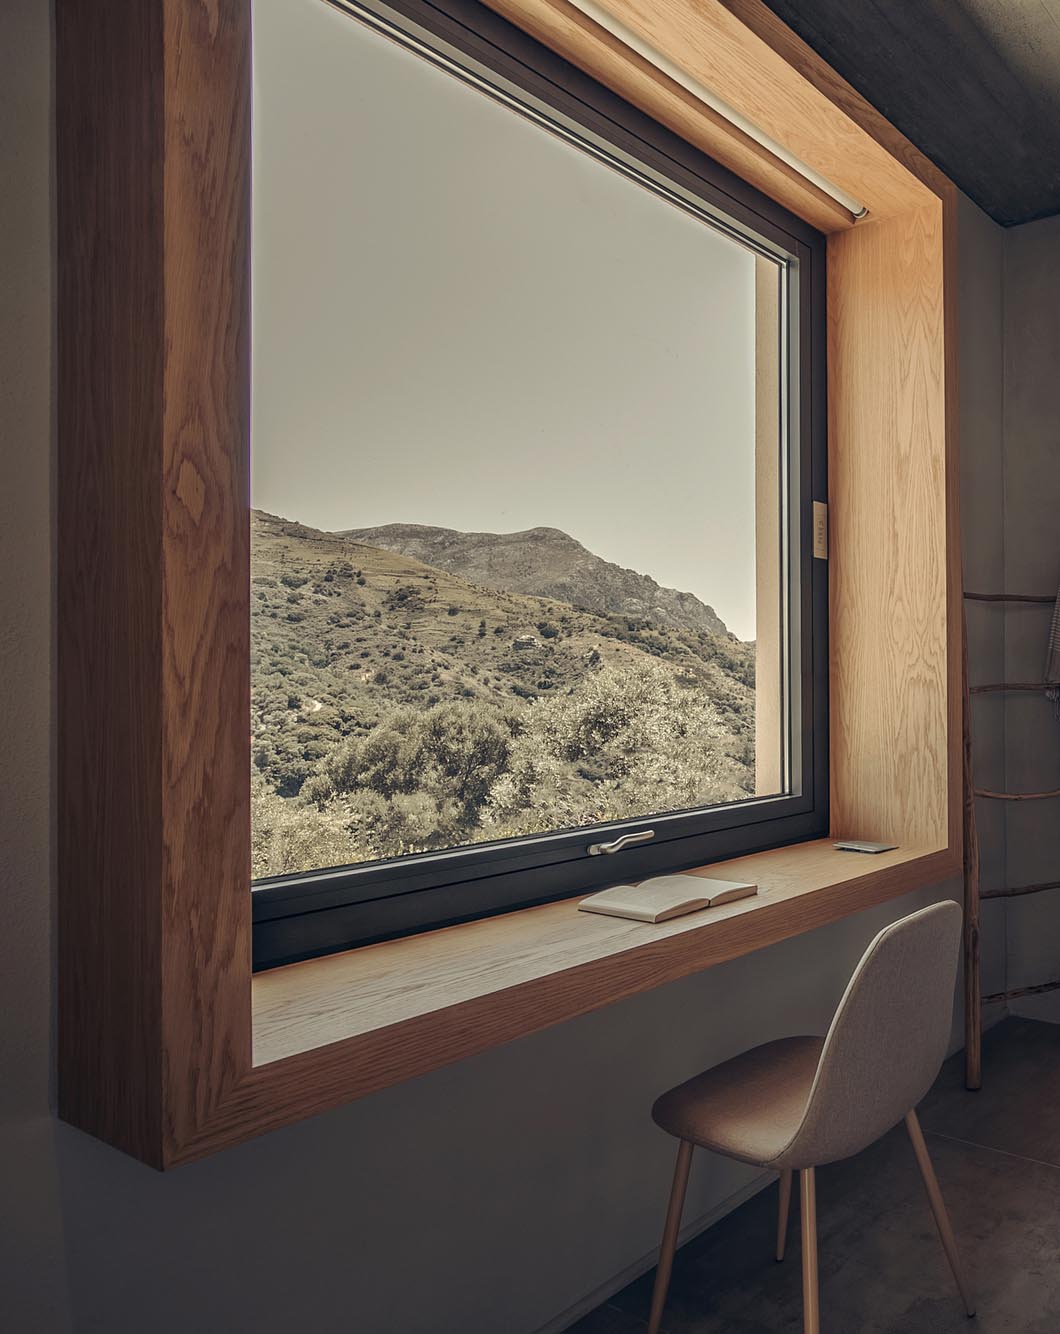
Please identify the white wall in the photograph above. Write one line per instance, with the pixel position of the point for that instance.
(487, 1198)
(1031, 565)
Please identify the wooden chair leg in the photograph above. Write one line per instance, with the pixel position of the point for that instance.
(938, 1208)
(782, 1214)
(811, 1310)
(669, 1238)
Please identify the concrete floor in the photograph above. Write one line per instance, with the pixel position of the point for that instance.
(997, 1156)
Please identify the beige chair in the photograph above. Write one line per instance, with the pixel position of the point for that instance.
(798, 1103)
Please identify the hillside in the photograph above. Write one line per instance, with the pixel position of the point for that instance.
(398, 706)
(545, 562)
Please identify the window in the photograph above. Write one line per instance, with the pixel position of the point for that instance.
(537, 425)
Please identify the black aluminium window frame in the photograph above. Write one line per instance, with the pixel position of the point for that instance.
(299, 916)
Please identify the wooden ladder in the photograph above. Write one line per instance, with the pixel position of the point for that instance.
(973, 894)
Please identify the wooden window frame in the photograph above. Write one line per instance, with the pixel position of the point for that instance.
(168, 1048)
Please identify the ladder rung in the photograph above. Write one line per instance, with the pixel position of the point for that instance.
(1042, 598)
(1017, 891)
(1008, 685)
(1017, 796)
(1017, 992)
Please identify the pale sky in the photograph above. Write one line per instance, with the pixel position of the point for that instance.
(460, 320)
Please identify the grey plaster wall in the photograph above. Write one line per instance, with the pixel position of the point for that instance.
(499, 1196)
(1032, 564)
(981, 307)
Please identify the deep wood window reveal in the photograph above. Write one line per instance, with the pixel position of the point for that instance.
(170, 1047)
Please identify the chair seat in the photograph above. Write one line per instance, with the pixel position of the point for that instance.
(748, 1108)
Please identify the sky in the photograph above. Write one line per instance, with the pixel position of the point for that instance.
(461, 320)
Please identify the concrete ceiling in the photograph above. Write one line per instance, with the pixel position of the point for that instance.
(975, 84)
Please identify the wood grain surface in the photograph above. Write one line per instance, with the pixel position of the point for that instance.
(205, 776)
(154, 861)
(566, 30)
(895, 684)
(754, 63)
(109, 125)
(515, 975)
(346, 995)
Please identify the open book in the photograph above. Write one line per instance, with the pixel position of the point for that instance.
(666, 896)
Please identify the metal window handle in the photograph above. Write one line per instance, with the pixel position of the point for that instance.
(626, 841)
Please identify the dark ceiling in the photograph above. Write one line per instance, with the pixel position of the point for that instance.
(975, 84)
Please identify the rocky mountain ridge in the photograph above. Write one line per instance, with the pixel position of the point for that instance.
(545, 562)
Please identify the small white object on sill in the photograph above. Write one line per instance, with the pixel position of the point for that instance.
(863, 845)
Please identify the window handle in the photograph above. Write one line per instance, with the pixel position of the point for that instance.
(626, 841)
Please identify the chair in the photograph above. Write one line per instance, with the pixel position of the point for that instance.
(801, 1102)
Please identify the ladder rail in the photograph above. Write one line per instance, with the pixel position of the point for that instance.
(973, 1019)
(974, 1000)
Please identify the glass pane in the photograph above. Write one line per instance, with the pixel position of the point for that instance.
(518, 446)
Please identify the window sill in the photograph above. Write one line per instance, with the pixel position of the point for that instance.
(441, 996)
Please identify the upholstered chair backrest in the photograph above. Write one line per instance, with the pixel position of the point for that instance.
(887, 1040)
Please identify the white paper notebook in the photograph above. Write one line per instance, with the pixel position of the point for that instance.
(666, 896)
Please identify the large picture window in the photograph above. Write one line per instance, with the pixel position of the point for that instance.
(537, 427)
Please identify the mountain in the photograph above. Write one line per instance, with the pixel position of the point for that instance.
(344, 632)
(545, 562)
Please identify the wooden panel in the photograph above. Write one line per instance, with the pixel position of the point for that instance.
(109, 195)
(338, 1028)
(762, 70)
(393, 1011)
(154, 565)
(326, 1000)
(206, 558)
(951, 444)
(593, 49)
(840, 96)
(892, 686)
